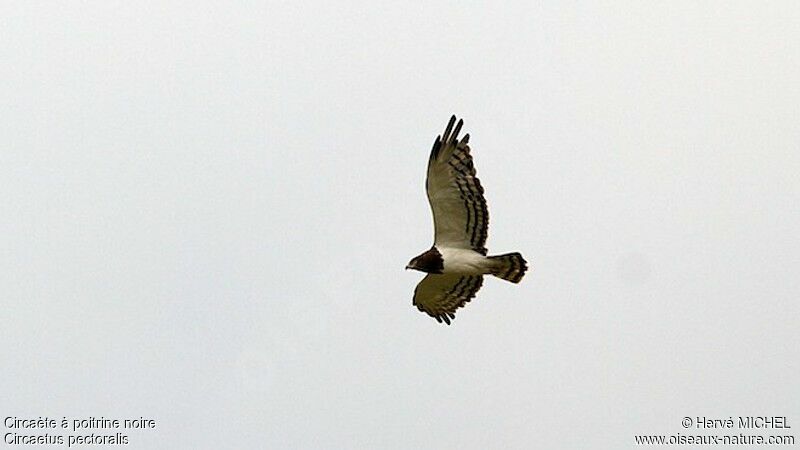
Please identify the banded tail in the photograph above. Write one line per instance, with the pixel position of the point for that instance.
(510, 267)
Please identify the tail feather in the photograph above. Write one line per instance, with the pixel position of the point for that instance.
(510, 267)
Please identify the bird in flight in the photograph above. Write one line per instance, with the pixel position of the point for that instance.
(457, 261)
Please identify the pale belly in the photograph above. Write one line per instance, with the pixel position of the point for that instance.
(465, 262)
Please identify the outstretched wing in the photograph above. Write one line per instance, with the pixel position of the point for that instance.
(440, 295)
(460, 216)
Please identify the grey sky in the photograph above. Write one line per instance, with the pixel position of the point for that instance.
(207, 208)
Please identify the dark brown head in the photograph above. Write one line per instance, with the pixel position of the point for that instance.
(430, 262)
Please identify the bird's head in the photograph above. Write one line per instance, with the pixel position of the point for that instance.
(431, 262)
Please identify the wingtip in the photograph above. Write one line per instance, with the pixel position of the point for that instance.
(448, 128)
(457, 130)
(437, 144)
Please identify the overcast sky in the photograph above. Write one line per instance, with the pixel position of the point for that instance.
(206, 210)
